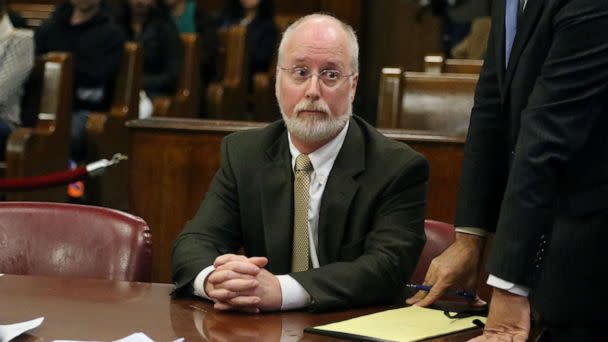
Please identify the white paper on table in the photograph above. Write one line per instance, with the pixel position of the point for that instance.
(136, 337)
(10, 331)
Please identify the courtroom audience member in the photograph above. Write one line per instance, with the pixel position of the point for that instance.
(85, 29)
(258, 17)
(329, 213)
(16, 62)
(149, 23)
(191, 18)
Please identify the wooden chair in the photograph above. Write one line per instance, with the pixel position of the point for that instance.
(263, 99)
(34, 14)
(44, 148)
(227, 99)
(186, 102)
(426, 102)
(107, 133)
(438, 64)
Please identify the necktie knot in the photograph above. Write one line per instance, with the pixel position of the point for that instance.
(303, 163)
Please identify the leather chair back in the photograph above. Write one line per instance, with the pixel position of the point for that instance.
(57, 239)
(439, 236)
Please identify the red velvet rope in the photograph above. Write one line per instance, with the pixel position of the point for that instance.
(42, 182)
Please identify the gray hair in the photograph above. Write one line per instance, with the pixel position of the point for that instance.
(353, 44)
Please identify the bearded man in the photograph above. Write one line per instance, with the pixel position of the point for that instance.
(329, 212)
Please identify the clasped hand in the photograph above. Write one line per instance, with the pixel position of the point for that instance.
(243, 284)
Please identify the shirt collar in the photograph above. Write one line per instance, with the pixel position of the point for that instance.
(6, 27)
(323, 158)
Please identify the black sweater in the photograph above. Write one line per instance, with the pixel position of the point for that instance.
(96, 46)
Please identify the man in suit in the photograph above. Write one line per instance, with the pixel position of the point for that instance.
(536, 173)
(329, 212)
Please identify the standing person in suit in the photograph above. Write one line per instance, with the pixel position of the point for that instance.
(329, 212)
(536, 172)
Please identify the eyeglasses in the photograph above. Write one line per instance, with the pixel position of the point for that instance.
(330, 78)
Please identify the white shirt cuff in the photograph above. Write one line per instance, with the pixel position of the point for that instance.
(199, 282)
(508, 286)
(472, 231)
(294, 295)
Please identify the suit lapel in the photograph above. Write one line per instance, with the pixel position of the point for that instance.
(277, 205)
(524, 31)
(339, 192)
(499, 46)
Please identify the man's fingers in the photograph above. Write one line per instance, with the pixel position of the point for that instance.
(222, 295)
(436, 292)
(218, 277)
(244, 267)
(222, 259)
(259, 261)
(416, 298)
(241, 301)
(238, 285)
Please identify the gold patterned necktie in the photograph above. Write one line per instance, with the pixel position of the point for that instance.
(300, 253)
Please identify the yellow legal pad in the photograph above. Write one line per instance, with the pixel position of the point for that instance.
(406, 324)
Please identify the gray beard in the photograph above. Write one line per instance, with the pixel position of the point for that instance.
(314, 129)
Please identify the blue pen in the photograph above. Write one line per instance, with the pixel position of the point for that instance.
(427, 288)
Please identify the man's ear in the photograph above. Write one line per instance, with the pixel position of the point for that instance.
(353, 90)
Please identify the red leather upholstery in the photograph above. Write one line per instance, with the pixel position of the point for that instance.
(60, 239)
(439, 235)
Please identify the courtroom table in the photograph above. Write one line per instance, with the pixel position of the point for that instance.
(103, 310)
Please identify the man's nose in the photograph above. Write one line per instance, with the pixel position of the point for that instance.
(313, 88)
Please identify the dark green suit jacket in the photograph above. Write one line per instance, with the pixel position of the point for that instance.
(371, 220)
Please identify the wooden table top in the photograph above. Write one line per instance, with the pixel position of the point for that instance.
(103, 310)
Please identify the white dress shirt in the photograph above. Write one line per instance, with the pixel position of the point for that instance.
(294, 295)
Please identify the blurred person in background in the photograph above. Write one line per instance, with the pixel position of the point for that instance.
(85, 29)
(16, 62)
(191, 18)
(149, 23)
(258, 17)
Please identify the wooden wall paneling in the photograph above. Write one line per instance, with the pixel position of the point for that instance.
(392, 35)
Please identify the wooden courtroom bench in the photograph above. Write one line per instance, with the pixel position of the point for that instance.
(107, 133)
(227, 98)
(438, 64)
(44, 148)
(426, 102)
(186, 101)
(263, 100)
(34, 14)
(184, 155)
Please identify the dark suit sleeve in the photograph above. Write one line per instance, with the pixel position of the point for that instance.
(391, 249)
(484, 168)
(564, 106)
(214, 230)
